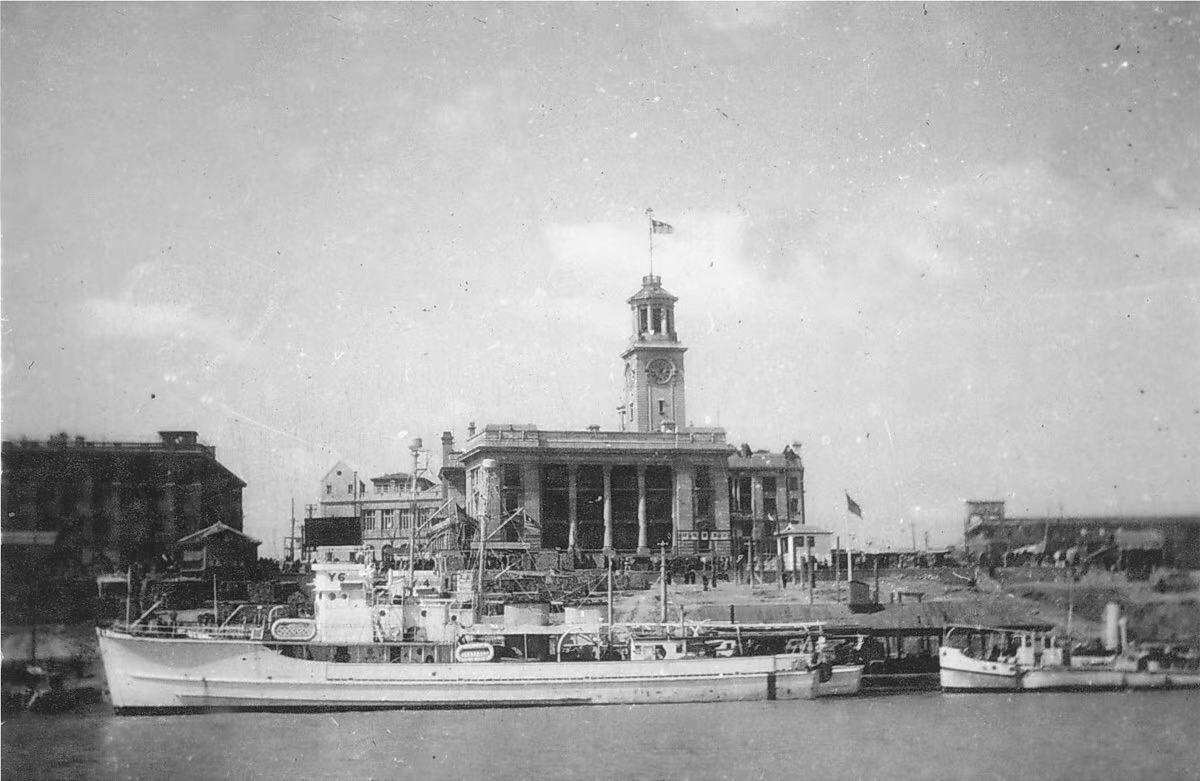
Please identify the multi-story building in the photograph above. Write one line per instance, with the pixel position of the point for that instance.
(766, 491)
(652, 481)
(75, 508)
(380, 515)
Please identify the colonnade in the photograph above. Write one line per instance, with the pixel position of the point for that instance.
(573, 508)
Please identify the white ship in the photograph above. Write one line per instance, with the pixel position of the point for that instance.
(980, 659)
(361, 652)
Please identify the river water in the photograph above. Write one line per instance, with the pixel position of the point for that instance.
(1031, 737)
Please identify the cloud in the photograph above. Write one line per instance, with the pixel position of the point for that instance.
(726, 17)
(471, 113)
(706, 253)
(123, 319)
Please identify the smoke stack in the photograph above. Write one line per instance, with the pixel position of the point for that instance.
(1112, 621)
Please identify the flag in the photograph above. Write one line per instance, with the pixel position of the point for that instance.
(852, 506)
(660, 227)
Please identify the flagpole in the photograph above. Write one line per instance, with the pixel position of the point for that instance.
(650, 220)
(849, 559)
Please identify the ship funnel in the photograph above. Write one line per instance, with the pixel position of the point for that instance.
(1112, 632)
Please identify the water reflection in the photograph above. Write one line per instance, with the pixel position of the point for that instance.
(1143, 734)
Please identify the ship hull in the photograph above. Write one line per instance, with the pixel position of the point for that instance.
(186, 675)
(961, 673)
(845, 680)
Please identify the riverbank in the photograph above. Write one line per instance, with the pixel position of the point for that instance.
(1012, 597)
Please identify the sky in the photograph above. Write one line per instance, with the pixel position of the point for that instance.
(951, 249)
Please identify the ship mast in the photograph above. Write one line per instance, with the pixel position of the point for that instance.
(415, 447)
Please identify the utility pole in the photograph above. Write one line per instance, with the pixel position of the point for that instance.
(837, 575)
(808, 568)
(662, 573)
(608, 560)
(292, 536)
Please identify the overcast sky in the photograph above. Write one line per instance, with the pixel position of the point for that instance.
(953, 249)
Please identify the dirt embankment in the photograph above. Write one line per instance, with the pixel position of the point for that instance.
(1152, 615)
(1023, 596)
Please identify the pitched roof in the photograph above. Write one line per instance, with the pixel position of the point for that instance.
(216, 528)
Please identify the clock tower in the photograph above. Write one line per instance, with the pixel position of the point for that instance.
(654, 398)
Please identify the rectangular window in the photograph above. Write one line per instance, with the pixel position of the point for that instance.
(328, 489)
(555, 481)
(741, 499)
(510, 488)
(662, 407)
(702, 494)
(349, 488)
(368, 518)
(388, 518)
(769, 498)
(793, 483)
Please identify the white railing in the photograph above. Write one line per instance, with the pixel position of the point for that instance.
(194, 631)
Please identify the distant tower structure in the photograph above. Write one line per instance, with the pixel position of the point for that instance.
(654, 377)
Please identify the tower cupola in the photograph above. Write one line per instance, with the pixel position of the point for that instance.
(653, 312)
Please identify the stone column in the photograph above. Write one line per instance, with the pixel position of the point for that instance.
(572, 508)
(720, 477)
(608, 530)
(643, 546)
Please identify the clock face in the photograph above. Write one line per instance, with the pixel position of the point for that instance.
(660, 370)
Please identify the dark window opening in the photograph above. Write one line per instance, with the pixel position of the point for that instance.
(510, 488)
(624, 494)
(555, 493)
(740, 497)
(769, 499)
(702, 494)
(660, 489)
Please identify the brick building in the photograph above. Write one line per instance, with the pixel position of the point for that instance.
(75, 508)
